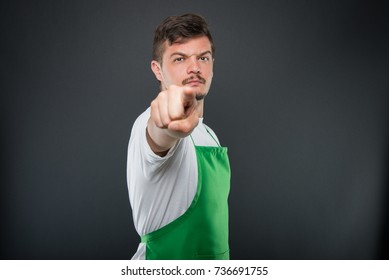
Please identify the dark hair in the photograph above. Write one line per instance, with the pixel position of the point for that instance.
(175, 29)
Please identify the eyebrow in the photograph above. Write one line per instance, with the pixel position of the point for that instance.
(185, 55)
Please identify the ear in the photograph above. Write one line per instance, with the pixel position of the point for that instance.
(157, 70)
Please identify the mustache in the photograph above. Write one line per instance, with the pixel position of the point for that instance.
(198, 77)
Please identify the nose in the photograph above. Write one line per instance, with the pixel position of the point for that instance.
(194, 66)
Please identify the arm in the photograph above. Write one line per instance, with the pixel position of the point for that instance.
(174, 114)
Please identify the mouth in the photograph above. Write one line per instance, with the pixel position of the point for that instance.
(194, 83)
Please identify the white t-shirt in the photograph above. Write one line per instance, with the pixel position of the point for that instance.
(162, 188)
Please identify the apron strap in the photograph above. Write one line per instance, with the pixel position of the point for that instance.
(217, 143)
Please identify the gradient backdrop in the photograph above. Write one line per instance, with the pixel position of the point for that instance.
(300, 97)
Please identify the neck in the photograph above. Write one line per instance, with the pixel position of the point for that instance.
(200, 108)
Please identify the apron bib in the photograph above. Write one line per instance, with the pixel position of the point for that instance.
(202, 231)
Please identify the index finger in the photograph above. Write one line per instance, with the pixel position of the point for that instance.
(189, 93)
(193, 93)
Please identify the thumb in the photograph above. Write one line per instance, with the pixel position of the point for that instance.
(185, 126)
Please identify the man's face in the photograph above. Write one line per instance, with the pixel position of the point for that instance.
(188, 63)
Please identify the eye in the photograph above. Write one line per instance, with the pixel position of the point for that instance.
(178, 59)
(204, 58)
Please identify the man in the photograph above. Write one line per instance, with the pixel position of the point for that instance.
(178, 175)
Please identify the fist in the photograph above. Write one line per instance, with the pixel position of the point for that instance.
(175, 109)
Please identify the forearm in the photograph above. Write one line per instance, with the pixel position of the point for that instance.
(159, 140)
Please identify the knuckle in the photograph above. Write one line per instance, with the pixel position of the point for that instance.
(159, 124)
(175, 115)
(153, 104)
(165, 122)
(162, 95)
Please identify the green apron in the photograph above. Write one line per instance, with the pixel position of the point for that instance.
(202, 231)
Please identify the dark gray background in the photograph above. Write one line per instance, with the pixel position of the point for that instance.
(300, 97)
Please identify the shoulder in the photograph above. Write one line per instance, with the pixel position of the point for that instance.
(210, 130)
(141, 120)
